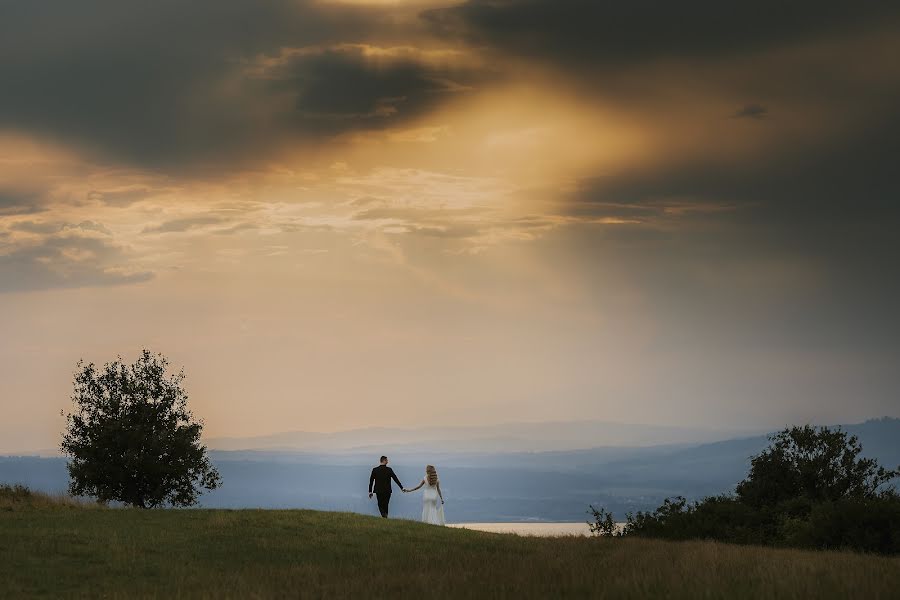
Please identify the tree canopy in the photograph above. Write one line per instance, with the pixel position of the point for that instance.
(815, 463)
(131, 437)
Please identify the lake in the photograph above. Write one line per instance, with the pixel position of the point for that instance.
(536, 529)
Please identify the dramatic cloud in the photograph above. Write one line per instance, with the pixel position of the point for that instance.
(217, 81)
(592, 32)
(647, 211)
(350, 87)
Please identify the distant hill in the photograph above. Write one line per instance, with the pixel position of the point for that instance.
(483, 486)
(511, 437)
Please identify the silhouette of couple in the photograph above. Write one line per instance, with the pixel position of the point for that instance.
(432, 497)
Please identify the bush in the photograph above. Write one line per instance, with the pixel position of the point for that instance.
(870, 525)
(11, 495)
(19, 497)
(720, 518)
(603, 523)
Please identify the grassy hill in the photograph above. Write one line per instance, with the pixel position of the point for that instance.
(61, 549)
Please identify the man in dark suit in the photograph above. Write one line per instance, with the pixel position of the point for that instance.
(381, 477)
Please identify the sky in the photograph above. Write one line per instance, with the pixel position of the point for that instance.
(355, 213)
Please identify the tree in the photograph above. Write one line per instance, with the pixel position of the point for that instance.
(131, 437)
(814, 464)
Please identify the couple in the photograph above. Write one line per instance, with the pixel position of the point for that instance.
(433, 499)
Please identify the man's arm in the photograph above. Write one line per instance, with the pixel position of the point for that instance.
(371, 481)
(394, 477)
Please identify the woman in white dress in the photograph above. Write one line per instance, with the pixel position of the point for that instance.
(432, 498)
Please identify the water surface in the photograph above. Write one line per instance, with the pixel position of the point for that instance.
(536, 529)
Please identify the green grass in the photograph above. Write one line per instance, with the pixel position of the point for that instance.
(50, 549)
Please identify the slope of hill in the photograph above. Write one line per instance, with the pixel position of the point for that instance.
(71, 552)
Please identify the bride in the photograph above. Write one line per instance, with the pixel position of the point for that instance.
(432, 498)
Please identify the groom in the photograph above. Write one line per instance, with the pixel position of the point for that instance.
(381, 477)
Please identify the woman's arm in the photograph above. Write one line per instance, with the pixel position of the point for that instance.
(421, 483)
(439, 492)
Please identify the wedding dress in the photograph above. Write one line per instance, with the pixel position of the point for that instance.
(432, 507)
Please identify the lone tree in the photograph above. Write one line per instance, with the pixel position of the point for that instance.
(818, 464)
(131, 437)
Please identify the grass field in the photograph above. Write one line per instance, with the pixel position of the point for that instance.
(48, 549)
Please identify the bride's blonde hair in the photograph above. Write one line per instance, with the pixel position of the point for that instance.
(431, 474)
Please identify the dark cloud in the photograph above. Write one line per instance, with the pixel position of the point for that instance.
(169, 84)
(121, 198)
(849, 181)
(797, 248)
(35, 227)
(12, 209)
(17, 200)
(791, 244)
(69, 260)
(596, 32)
(48, 227)
(341, 88)
(751, 111)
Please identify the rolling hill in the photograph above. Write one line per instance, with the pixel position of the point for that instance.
(483, 486)
(71, 552)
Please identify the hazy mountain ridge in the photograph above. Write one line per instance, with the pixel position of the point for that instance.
(484, 486)
(509, 437)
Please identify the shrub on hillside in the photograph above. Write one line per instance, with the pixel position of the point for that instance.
(870, 524)
(19, 497)
(12, 495)
(602, 523)
(719, 518)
